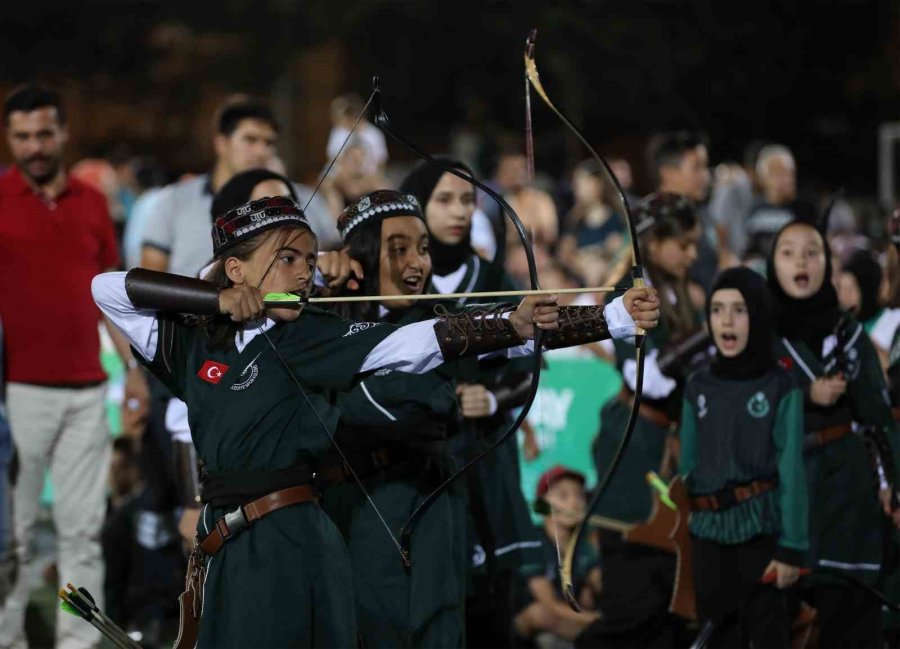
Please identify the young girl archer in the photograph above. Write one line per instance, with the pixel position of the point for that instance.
(259, 389)
(742, 456)
(845, 401)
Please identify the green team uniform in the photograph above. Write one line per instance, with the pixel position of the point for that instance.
(733, 433)
(502, 536)
(409, 417)
(846, 518)
(289, 572)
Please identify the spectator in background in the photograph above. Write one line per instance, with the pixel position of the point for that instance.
(734, 192)
(352, 176)
(622, 169)
(149, 177)
(345, 110)
(55, 235)
(543, 609)
(5, 457)
(593, 231)
(859, 286)
(777, 205)
(534, 206)
(680, 162)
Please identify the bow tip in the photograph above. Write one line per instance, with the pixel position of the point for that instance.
(571, 599)
(376, 83)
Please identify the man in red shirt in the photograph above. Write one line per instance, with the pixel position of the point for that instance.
(55, 235)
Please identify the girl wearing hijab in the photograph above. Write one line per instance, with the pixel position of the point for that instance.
(276, 568)
(638, 580)
(399, 427)
(742, 458)
(859, 291)
(833, 361)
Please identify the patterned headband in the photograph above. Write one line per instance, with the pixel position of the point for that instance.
(254, 217)
(381, 204)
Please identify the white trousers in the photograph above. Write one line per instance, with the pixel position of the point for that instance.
(64, 430)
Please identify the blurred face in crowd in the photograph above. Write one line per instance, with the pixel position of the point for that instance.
(512, 172)
(36, 140)
(848, 291)
(675, 255)
(566, 499)
(800, 261)
(285, 262)
(690, 177)
(123, 473)
(252, 144)
(622, 169)
(405, 263)
(729, 321)
(587, 187)
(779, 179)
(450, 209)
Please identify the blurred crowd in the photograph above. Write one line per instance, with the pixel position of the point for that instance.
(578, 228)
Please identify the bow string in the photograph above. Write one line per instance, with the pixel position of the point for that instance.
(383, 122)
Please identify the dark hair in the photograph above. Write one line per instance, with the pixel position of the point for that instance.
(364, 245)
(230, 115)
(220, 331)
(31, 97)
(662, 216)
(667, 149)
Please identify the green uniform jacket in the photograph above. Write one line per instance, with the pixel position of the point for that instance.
(735, 432)
(396, 607)
(846, 519)
(286, 580)
(496, 481)
(628, 497)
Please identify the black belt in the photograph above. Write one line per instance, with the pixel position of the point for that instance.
(236, 488)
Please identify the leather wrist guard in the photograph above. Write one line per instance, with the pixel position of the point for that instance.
(577, 325)
(475, 331)
(186, 474)
(149, 289)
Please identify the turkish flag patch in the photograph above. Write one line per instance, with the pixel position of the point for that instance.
(212, 372)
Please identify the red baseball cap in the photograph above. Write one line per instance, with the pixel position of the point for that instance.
(555, 473)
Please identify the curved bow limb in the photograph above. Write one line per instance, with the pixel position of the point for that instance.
(637, 278)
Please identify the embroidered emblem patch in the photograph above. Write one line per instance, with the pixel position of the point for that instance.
(356, 327)
(758, 405)
(248, 376)
(786, 362)
(701, 406)
(212, 372)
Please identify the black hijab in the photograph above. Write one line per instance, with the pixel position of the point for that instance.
(238, 190)
(758, 357)
(809, 320)
(867, 271)
(421, 182)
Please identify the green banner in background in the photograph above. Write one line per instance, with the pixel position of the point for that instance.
(566, 416)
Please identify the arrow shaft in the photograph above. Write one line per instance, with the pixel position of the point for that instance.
(450, 296)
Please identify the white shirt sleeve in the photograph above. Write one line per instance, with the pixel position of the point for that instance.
(140, 327)
(656, 384)
(883, 331)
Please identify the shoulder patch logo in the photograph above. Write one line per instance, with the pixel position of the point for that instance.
(758, 405)
(786, 362)
(212, 372)
(356, 327)
(701, 406)
(248, 376)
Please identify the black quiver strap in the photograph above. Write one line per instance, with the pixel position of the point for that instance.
(150, 289)
(187, 475)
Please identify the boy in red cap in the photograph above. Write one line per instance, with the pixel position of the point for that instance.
(543, 609)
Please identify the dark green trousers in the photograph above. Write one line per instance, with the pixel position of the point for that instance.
(284, 582)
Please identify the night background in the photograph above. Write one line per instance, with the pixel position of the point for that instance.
(819, 76)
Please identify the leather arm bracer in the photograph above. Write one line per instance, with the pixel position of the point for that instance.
(150, 289)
